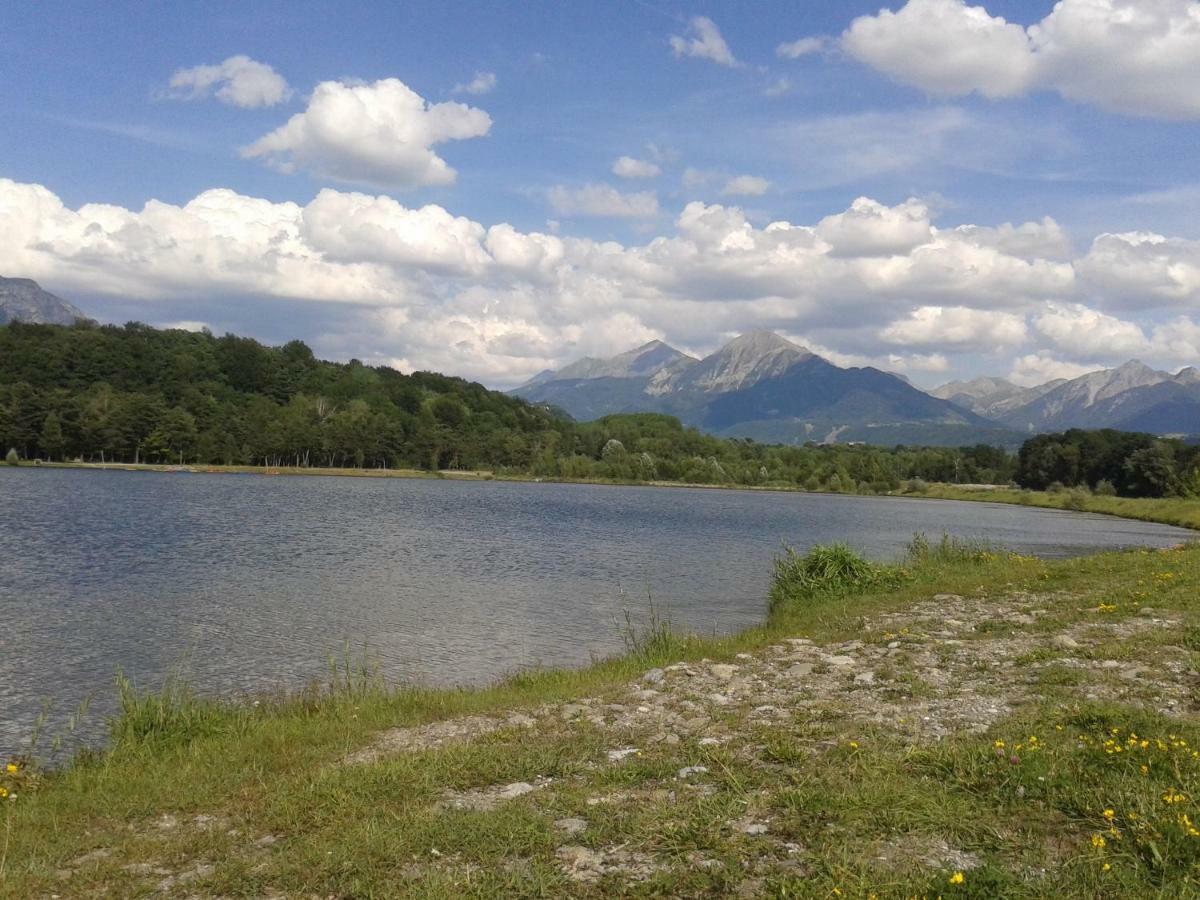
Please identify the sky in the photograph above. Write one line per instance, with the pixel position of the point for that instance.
(490, 190)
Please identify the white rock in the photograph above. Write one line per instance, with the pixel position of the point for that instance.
(689, 771)
(723, 671)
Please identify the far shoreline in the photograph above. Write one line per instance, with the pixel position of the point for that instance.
(1176, 511)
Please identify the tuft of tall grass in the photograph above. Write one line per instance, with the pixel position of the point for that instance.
(824, 571)
(653, 641)
(921, 551)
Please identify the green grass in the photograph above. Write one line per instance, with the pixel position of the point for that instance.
(1184, 512)
(284, 813)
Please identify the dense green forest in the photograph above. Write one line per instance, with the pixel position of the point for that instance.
(139, 394)
(1110, 462)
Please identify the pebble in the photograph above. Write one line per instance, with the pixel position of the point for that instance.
(654, 676)
(689, 771)
(723, 671)
(840, 660)
(799, 670)
(864, 678)
(1065, 642)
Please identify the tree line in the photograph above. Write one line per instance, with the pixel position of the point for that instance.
(1110, 462)
(133, 393)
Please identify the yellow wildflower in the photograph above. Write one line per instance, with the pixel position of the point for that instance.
(1099, 842)
(957, 878)
(1109, 814)
(11, 768)
(854, 745)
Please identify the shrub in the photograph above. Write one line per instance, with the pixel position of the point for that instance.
(915, 486)
(1055, 487)
(825, 570)
(1076, 499)
(13, 458)
(1104, 488)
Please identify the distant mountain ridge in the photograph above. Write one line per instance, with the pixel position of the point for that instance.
(1130, 397)
(763, 386)
(23, 300)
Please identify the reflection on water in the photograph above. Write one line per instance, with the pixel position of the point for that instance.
(254, 582)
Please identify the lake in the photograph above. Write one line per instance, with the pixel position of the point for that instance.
(250, 583)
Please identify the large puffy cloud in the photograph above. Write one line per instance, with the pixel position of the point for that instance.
(1136, 57)
(379, 134)
(869, 228)
(957, 327)
(1141, 269)
(421, 285)
(238, 81)
(1081, 331)
(945, 47)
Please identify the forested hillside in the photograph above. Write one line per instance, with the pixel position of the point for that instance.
(135, 393)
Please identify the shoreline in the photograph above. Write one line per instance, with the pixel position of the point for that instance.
(365, 788)
(1180, 512)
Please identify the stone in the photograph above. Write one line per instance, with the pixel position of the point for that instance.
(516, 789)
(571, 826)
(722, 671)
(840, 660)
(718, 699)
(654, 676)
(623, 753)
(689, 771)
(752, 828)
(799, 670)
(864, 678)
(1065, 642)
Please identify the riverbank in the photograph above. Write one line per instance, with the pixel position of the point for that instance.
(947, 726)
(1184, 512)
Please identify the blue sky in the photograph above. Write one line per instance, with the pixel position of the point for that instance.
(952, 121)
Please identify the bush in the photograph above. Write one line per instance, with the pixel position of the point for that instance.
(825, 570)
(1055, 487)
(1104, 488)
(13, 458)
(915, 486)
(1076, 499)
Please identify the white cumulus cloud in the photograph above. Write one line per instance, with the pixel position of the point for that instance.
(238, 81)
(958, 327)
(482, 83)
(1137, 57)
(628, 167)
(380, 134)
(745, 186)
(703, 41)
(431, 289)
(603, 201)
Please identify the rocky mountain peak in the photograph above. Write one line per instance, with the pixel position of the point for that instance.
(23, 300)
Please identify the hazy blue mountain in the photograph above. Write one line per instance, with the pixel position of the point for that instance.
(23, 300)
(992, 397)
(1132, 397)
(763, 386)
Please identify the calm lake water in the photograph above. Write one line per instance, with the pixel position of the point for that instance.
(250, 583)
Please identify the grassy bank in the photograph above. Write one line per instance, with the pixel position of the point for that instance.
(1184, 512)
(968, 723)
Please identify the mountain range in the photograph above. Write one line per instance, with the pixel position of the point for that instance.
(762, 386)
(1131, 397)
(23, 300)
